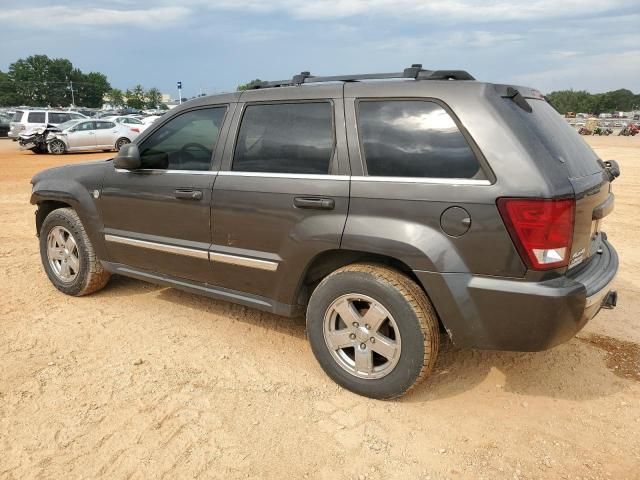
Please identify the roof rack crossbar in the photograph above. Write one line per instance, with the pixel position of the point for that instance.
(415, 72)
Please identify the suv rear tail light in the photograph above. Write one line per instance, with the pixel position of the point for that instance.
(541, 229)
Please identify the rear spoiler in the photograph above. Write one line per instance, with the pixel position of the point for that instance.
(519, 95)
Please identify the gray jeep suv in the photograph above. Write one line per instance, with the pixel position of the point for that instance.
(392, 208)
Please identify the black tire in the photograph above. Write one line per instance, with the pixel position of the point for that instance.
(121, 142)
(413, 314)
(57, 147)
(91, 275)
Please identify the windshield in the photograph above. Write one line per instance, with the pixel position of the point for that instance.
(17, 116)
(69, 124)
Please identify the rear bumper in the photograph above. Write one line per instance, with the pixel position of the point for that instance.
(508, 314)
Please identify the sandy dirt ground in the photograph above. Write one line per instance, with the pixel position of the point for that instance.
(140, 381)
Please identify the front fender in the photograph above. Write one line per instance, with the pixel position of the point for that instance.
(75, 187)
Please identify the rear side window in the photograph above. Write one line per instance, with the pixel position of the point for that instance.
(414, 138)
(285, 138)
(17, 116)
(104, 125)
(36, 117)
(57, 118)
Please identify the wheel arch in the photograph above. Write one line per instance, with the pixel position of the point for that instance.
(77, 198)
(330, 260)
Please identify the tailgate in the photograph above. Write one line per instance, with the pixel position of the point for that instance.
(594, 201)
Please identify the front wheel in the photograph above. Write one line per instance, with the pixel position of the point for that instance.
(68, 256)
(57, 147)
(373, 330)
(121, 142)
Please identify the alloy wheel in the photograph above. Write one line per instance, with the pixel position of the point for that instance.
(62, 253)
(362, 336)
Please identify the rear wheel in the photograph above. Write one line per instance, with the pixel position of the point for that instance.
(57, 147)
(121, 142)
(373, 330)
(68, 256)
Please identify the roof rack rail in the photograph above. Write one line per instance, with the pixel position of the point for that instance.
(415, 72)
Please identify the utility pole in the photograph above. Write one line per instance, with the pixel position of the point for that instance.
(73, 99)
(180, 93)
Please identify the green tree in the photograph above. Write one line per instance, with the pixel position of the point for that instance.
(246, 86)
(41, 81)
(8, 95)
(153, 98)
(116, 97)
(136, 97)
(91, 89)
(582, 101)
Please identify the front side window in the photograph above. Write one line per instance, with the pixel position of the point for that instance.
(186, 142)
(414, 138)
(285, 138)
(36, 117)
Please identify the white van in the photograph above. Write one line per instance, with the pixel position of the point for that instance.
(25, 120)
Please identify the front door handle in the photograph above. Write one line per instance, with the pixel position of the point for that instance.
(319, 203)
(188, 194)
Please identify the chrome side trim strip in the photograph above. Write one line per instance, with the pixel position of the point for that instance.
(308, 176)
(160, 247)
(436, 181)
(243, 261)
(156, 171)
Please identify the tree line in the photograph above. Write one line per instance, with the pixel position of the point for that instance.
(622, 100)
(40, 81)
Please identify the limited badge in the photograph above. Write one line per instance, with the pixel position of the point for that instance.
(576, 258)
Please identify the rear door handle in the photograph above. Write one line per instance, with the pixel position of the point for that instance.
(188, 194)
(319, 203)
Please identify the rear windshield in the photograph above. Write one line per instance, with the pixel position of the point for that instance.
(560, 139)
(17, 116)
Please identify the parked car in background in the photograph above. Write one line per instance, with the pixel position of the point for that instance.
(83, 135)
(25, 121)
(150, 119)
(128, 120)
(5, 122)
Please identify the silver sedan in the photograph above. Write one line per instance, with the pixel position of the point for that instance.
(83, 135)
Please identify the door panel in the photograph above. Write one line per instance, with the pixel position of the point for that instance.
(254, 218)
(84, 137)
(149, 225)
(158, 219)
(268, 226)
(106, 137)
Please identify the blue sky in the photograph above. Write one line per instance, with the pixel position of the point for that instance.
(215, 44)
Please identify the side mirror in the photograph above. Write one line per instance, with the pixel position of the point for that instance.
(128, 157)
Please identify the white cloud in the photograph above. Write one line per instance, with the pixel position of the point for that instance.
(562, 54)
(465, 10)
(453, 40)
(605, 71)
(63, 16)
